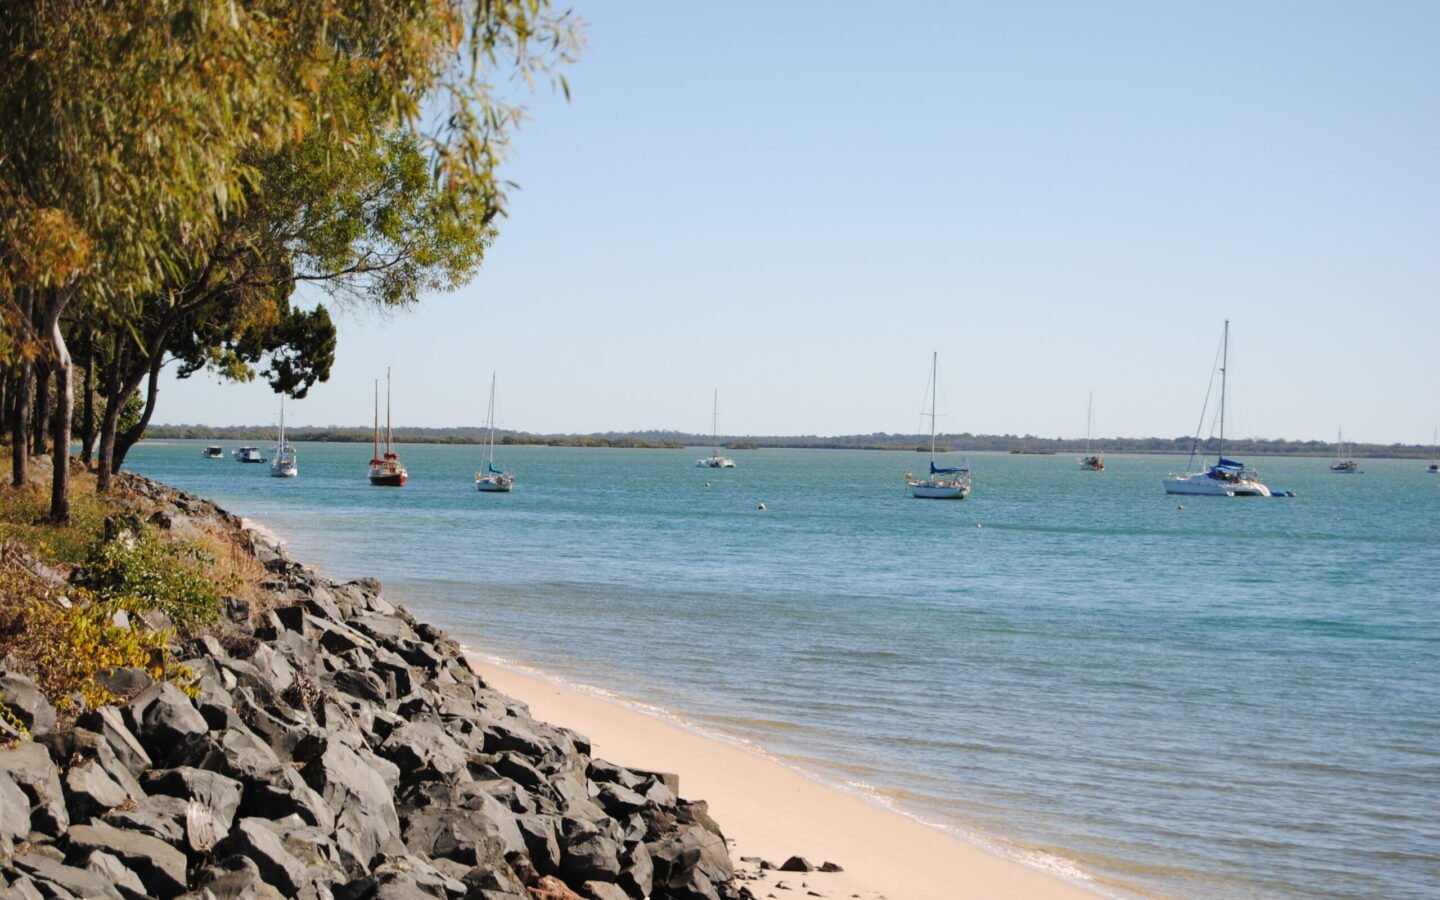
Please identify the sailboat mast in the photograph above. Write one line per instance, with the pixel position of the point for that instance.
(934, 389)
(375, 442)
(1089, 408)
(715, 422)
(282, 423)
(490, 442)
(389, 434)
(1224, 364)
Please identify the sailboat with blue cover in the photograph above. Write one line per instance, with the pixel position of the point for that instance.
(493, 480)
(943, 483)
(1228, 477)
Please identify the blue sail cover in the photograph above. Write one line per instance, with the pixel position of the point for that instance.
(1224, 463)
(937, 471)
(493, 471)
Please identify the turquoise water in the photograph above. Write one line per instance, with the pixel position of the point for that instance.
(1238, 698)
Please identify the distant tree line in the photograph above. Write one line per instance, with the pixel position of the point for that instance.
(877, 441)
(171, 173)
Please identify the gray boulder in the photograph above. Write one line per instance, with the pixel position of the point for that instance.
(364, 805)
(234, 878)
(159, 865)
(114, 872)
(14, 815)
(28, 765)
(162, 717)
(27, 702)
(75, 882)
(218, 794)
(424, 750)
(587, 853)
(254, 840)
(109, 723)
(163, 818)
(89, 791)
(638, 874)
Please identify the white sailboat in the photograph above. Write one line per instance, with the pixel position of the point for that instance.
(284, 465)
(715, 460)
(490, 479)
(943, 483)
(1343, 464)
(1228, 477)
(1091, 462)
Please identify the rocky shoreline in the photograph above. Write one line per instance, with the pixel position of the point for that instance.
(335, 747)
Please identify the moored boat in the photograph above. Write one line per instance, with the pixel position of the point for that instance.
(1091, 462)
(385, 470)
(248, 455)
(491, 480)
(286, 464)
(214, 451)
(944, 483)
(715, 460)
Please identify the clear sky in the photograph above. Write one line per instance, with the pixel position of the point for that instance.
(797, 202)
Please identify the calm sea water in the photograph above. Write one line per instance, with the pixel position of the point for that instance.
(1238, 698)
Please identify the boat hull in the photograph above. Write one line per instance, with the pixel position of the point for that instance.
(715, 462)
(1092, 464)
(494, 485)
(389, 480)
(1203, 485)
(931, 490)
(284, 472)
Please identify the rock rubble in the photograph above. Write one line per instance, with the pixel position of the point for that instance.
(335, 748)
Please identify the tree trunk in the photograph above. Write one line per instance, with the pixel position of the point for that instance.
(57, 300)
(20, 420)
(87, 418)
(152, 391)
(40, 428)
(111, 419)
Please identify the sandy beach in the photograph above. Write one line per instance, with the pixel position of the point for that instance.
(771, 811)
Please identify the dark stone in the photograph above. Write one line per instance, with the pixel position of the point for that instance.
(539, 834)
(163, 818)
(27, 702)
(797, 864)
(234, 878)
(236, 610)
(159, 865)
(218, 794)
(365, 685)
(29, 767)
(254, 840)
(74, 881)
(691, 859)
(161, 716)
(363, 803)
(124, 682)
(638, 874)
(287, 794)
(828, 866)
(418, 747)
(586, 853)
(14, 814)
(109, 723)
(697, 812)
(603, 890)
(91, 792)
(114, 871)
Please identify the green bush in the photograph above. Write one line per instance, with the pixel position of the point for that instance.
(131, 569)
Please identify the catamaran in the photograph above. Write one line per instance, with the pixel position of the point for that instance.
(248, 455)
(490, 479)
(1228, 477)
(1343, 464)
(1091, 462)
(285, 464)
(943, 483)
(387, 470)
(715, 460)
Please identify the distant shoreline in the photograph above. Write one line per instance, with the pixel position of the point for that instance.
(1028, 445)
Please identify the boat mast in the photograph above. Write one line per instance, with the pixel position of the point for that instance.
(375, 442)
(490, 443)
(934, 362)
(388, 433)
(1224, 364)
(1089, 408)
(715, 423)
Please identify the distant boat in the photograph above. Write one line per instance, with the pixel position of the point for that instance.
(715, 460)
(285, 464)
(490, 479)
(214, 451)
(387, 470)
(1228, 477)
(248, 455)
(943, 484)
(1343, 464)
(1434, 467)
(1091, 462)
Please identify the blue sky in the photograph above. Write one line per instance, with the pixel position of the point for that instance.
(796, 202)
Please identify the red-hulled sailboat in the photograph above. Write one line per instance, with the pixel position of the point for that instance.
(387, 470)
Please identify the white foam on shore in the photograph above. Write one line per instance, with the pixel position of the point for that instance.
(1031, 857)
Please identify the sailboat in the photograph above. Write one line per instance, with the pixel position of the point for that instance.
(1343, 464)
(490, 479)
(1434, 467)
(1091, 462)
(284, 465)
(387, 470)
(715, 460)
(943, 484)
(1228, 477)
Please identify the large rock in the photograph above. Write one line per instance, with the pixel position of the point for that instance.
(75, 881)
(234, 878)
(24, 699)
(113, 871)
(29, 767)
(159, 865)
(162, 717)
(219, 795)
(163, 818)
(587, 853)
(364, 805)
(690, 861)
(89, 791)
(423, 750)
(14, 814)
(254, 840)
(109, 723)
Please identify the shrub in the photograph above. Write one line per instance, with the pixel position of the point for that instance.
(133, 570)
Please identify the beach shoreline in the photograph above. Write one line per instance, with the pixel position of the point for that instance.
(772, 811)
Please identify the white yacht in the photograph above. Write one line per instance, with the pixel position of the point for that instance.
(943, 483)
(214, 451)
(1228, 477)
(248, 455)
(491, 480)
(285, 464)
(715, 460)
(1343, 464)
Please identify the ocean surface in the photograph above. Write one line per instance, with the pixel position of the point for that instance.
(1237, 698)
